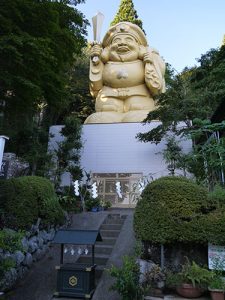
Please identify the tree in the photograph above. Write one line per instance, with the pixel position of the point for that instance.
(175, 106)
(127, 13)
(172, 154)
(185, 109)
(208, 80)
(209, 151)
(38, 43)
(194, 93)
(68, 153)
(81, 102)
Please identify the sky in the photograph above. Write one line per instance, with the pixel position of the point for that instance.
(181, 30)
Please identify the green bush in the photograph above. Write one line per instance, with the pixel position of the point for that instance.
(214, 225)
(5, 265)
(91, 202)
(10, 240)
(175, 178)
(68, 200)
(175, 209)
(70, 203)
(25, 199)
(217, 195)
(127, 279)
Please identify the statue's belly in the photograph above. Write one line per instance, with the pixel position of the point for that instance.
(123, 74)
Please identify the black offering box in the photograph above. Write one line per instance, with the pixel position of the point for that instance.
(73, 279)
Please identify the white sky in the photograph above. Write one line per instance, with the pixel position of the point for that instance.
(181, 30)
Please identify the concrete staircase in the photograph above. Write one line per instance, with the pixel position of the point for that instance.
(110, 230)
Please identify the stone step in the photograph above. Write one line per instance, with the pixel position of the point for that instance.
(115, 216)
(109, 233)
(123, 217)
(98, 273)
(113, 221)
(107, 241)
(101, 268)
(99, 260)
(110, 229)
(62, 298)
(111, 226)
(103, 249)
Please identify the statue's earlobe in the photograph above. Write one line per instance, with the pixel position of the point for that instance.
(142, 51)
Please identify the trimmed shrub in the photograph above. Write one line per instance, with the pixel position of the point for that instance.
(175, 178)
(25, 199)
(175, 209)
(217, 195)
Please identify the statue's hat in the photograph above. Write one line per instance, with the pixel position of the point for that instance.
(125, 28)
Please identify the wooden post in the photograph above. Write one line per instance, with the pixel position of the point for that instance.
(3, 138)
(162, 256)
(93, 255)
(61, 254)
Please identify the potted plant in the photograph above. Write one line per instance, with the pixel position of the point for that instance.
(216, 286)
(92, 204)
(106, 204)
(192, 281)
(154, 280)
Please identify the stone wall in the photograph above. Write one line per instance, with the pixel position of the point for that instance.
(12, 166)
(36, 243)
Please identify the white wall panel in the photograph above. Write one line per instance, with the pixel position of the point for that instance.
(113, 148)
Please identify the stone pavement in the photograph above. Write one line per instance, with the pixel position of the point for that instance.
(40, 282)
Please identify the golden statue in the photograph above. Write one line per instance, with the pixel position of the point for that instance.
(125, 75)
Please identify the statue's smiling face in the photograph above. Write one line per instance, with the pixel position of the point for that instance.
(124, 47)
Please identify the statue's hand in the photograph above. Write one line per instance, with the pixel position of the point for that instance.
(147, 58)
(95, 53)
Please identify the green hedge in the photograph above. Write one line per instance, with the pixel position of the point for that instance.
(175, 209)
(25, 199)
